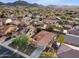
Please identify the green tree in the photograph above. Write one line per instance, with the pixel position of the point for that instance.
(66, 16)
(61, 22)
(20, 17)
(41, 18)
(60, 39)
(21, 41)
(49, 27)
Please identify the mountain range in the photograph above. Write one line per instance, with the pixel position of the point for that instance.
(19, 3)
(24, 3)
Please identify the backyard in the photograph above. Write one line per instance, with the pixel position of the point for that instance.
(23, 44)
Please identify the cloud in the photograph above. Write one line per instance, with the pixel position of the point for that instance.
(57, 2)
(44, 2)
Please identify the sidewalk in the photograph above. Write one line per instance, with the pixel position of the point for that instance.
(73, 35)
(73, 47)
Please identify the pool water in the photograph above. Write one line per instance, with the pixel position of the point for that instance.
(6, 53)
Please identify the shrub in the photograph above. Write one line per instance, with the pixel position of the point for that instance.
(21, 41)
(49, 54)
(60, 39)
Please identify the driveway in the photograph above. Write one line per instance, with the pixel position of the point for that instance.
(67, 52)
(37, 52)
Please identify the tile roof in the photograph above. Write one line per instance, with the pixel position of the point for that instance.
(43, 38)
(74, 31)
(10, 29)
(16, 22)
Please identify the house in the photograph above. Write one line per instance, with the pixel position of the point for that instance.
(35, 20)
(43, 38)
(55, 27)
(37, 16)
(1, 32)
(31, 31)
(2, 29)
(44, 27)
(2, 39)
(76, 27)
(16, 22)
(46, 21)
(68, 24)
(16, 34)
(2, 19)
(9, 29)
(13, 17)
(24, 30)
(8, 21)
(29, 15)
(38, 23)
(51, 17)
(26, 21)
(65, 31)
(74, 30)
(1, 24)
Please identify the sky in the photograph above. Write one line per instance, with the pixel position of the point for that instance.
(49, 2)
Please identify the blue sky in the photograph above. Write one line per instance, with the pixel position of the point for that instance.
(49, 2)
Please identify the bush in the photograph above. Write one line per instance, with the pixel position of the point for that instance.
(60, 39)
(49, 54)
(20, 17)
(21, 41)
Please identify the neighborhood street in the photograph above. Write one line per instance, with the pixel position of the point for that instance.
(67, 52)
(74, 39)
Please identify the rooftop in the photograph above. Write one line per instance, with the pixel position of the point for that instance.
(43, 38)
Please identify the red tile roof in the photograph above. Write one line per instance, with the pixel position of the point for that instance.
(43, 38)
(10, 29)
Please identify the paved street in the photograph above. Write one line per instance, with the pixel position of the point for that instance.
(72, 39)
(67, 52)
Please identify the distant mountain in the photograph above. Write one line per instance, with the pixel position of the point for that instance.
(62, 6)
(24, 3)
(1, 3)
(20, 3)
